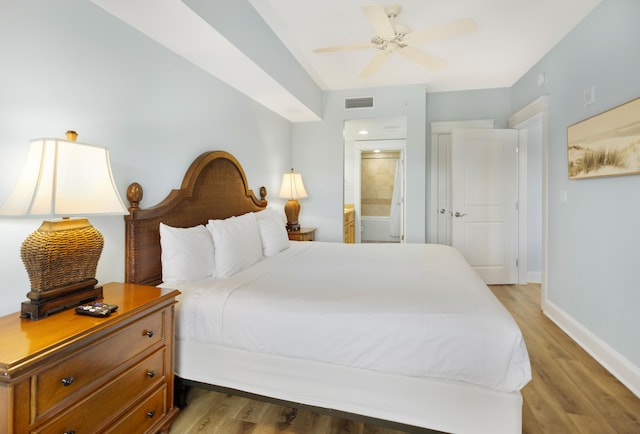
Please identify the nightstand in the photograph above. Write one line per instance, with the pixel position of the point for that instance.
(304, 234)
(69, 373)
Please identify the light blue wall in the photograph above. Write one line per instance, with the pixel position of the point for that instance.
(593, 254)
(467, 105)
(318, 154)
(534, 201)
(70, 65)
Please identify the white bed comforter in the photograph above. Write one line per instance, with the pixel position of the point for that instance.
(409, 309)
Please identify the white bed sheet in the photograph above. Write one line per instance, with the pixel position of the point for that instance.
(412, 309)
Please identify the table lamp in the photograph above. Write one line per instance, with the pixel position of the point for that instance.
(63, 178)
(292, 189)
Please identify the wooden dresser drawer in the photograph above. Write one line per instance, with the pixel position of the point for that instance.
(95, 363)
(143, 416)
(94, 413)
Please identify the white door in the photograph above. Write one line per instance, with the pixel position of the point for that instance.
(439, 229)
(484, 196)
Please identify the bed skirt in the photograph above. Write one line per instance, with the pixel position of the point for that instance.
(423, 402)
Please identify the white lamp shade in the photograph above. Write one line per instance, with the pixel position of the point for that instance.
(64, 179)
(292, 186)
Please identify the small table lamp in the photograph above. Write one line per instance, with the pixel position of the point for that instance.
(62, 178)
(292, 189)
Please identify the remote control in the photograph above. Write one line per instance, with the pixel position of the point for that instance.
(111, 307)
(97, 308)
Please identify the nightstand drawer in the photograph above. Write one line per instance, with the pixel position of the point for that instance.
(304, 234)
(144, 416)
(92, 414)
(107, 356)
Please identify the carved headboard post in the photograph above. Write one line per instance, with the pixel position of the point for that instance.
(214, 187)
(134, 196)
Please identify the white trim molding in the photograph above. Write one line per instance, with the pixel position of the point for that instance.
(537, 111)
(609, 358)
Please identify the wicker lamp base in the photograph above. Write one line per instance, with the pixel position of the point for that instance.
(61, 259)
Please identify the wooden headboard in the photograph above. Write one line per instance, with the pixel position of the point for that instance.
(214, 187)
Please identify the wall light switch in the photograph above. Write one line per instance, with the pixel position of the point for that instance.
(589, 96)
(563, 196)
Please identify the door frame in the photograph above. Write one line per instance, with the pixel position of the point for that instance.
(536, 111)
(383, 145)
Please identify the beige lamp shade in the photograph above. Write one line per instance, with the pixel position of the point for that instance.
(292, 186)
(63, 178)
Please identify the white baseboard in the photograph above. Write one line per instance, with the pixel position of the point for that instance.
(534, 277)
(610, 359)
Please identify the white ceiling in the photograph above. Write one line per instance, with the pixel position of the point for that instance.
(512, 36)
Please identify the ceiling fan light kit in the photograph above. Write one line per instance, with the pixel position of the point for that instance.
(392, 37)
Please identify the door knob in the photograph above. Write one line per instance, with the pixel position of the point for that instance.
(458, 214)
(442, 211)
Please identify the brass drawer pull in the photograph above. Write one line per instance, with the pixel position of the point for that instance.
(67, 381)
(151, 374)
(151, 413)
(70, 432)
(149, 333)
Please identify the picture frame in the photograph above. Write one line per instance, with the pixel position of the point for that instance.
(607, 144)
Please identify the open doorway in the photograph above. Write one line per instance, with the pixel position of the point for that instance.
(374, 180)
(381, 195)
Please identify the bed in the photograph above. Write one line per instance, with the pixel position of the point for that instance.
(404, 335)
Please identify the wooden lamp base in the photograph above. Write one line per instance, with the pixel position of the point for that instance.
(292, 210)
(37, 309)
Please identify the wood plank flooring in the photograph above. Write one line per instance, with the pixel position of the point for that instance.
(569, 393)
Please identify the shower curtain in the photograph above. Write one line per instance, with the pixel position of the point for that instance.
(395, 214)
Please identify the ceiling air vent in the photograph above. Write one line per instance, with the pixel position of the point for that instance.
(351, 103)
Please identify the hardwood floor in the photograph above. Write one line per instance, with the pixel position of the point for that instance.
(569, 393)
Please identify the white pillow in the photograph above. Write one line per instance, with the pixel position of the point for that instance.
(237, 243)
(273, 232)
(187, 253)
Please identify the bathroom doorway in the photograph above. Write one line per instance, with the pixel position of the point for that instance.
(374, 179)
(381, 194)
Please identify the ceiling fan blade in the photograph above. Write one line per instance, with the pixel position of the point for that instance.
(422, 58)
(373, 66)
(342, 48)
(444, 31)
(379, 20)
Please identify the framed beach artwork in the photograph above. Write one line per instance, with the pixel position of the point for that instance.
(607, 144)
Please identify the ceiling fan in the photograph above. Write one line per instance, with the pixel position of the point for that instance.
(393, 37)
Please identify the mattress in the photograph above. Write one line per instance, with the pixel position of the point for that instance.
(415, 310)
